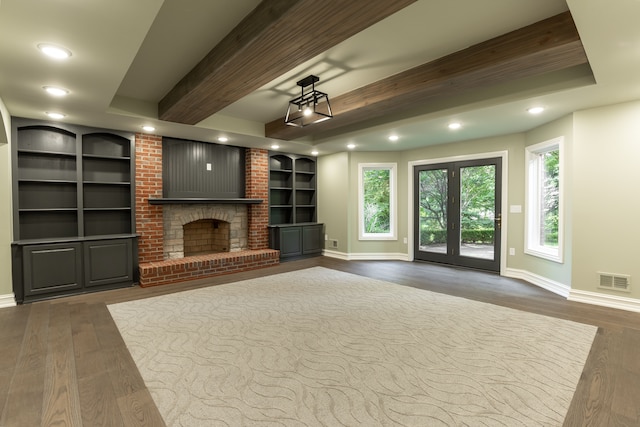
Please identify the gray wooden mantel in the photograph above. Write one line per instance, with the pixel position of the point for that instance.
(202, 200)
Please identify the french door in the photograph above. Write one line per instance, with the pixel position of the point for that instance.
(457, 213)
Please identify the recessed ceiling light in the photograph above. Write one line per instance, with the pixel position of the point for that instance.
(393, 137)
(535, 110)
(56, 52)
(454, 125)
(54, 115)
(55, 91)
(148, 128)
(314, 153)
(275, 146)
(223, 139)
(351, 146)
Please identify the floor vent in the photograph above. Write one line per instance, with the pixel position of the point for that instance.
(616, 282)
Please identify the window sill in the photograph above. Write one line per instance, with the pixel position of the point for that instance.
(377, 237)
(545, 254)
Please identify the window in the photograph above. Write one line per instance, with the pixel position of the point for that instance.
(377, 201)
(544, 226)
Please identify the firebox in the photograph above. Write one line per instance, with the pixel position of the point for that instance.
(205, 236)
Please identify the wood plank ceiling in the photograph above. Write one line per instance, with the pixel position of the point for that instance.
(278, 36)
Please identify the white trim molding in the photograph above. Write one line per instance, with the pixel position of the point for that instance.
(605, 300)
(542, 282)
(7, 300)
(335, 254)
(366, 256)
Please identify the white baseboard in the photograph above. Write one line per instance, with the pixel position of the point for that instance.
(8, 300)
(335, 254)
(605, 300)
(366, 256)
(548, 284)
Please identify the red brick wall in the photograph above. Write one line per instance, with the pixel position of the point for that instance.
(149, 224)
(257, 187)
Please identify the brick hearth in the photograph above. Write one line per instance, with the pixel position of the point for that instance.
(203, 266)
(154, 268)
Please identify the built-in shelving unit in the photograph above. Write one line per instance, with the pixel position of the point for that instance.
(47, 183)
(106, 181)
(281, 189)
(73, 209)
(292, 205)
(292, 189)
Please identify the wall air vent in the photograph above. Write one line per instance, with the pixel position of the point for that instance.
(616, 282)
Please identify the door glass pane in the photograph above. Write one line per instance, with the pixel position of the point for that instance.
(477, 211)
(433, 210)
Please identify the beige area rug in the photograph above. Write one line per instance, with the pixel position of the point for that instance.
(319, 347)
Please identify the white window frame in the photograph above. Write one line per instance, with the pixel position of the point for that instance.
(532, 196)
(392, 235)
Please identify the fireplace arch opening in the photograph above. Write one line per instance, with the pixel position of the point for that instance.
(175, 216)
(206, 236)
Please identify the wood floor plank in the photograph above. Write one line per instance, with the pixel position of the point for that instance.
(139, 410)
(136, 406)
(27, 383)
(98, 402)
(13, 323)
(61, 403)
(592, 398)
(85, 341)
(118, 362)
(625, 405)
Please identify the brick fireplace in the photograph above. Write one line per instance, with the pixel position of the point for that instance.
(161, 249)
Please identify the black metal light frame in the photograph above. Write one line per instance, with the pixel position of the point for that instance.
(310, 107)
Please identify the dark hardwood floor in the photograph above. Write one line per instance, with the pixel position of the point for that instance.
(63, 362)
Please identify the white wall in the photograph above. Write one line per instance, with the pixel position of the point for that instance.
(557, 272)
(6, 227)
(606, 197)
(334, 192)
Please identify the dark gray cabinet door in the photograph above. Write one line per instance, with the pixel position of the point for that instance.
(108, 261)
(290, 241)
(312, 239)
(52, 268)
(296, 240)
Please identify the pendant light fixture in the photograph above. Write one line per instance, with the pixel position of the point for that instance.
(311, 106)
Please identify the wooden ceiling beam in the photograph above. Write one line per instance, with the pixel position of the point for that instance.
(275, 37)
(549, 45)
